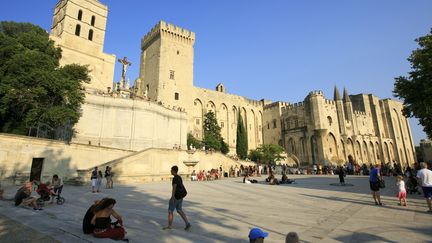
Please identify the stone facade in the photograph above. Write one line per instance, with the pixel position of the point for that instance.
(73, 162)
(79, 29)
(129, 124)
(166, 75)
(319, 130)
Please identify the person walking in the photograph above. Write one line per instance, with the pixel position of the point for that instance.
(425, 177)
(401, 191)
(176, 201)
(93, 179)
(374, 183)
(99, 180)
(108, 177)
(341, 176)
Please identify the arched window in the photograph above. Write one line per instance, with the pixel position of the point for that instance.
(93, 20)
(90, 36)
(330, 121)
(77, 30)
(80, 13)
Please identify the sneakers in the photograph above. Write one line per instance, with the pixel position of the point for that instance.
(167, 227)
(188, 226)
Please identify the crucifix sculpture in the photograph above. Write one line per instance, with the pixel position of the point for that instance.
(125, 64)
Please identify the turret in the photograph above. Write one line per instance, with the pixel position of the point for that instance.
(336, 95)
(340, 111)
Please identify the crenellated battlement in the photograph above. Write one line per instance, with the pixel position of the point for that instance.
(360, 113)
(330, 102)
(294, 106)
(275, 105)
(316, 93)
(167, 30)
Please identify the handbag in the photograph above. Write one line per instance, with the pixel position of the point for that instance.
(381, 183)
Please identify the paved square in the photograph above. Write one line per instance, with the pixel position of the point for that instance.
(224, 211)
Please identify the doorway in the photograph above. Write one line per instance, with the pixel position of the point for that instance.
(36, 169)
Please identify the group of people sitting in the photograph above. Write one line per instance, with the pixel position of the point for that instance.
(46, 191)
(271, 180)
(210, 175)
(97, 221)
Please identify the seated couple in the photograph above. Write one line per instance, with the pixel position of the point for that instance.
(248, 181)
(23, 197)
(97, 221)
(285, 179)
(272, 179)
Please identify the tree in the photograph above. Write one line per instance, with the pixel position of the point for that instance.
(242, 142)
(255, 155)
(33, 87)
(192, 141)
(212, 134)
(224, 147)
(416, 89)
(268, 153)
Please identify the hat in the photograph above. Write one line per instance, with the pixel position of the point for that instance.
(256, 233)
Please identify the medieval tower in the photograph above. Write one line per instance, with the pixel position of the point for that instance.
(166, 71)
(79, 27)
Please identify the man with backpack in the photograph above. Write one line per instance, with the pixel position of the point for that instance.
(176, 200)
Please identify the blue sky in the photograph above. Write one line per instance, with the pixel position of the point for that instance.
(277, 50)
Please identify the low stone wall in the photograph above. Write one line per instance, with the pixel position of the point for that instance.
(155, 165)
(74, 162)
(17, 153)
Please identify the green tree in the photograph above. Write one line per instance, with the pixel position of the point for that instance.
(212, 132)
(267, 153)
(255, 155)
(192, 141)
(416, 89)
(242, 142)
(33, 87)
(224, 147)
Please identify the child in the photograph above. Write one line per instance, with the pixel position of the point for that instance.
(402, 192)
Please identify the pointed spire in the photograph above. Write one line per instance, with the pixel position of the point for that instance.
(346, 97)
(336, 94)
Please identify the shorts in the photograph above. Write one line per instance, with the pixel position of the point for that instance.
(374, 186)
(93, 181)
(175, 204)
(427, 191)
(401, 195)
(58, 190)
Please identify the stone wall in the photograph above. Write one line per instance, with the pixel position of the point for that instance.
(17, 153)
(370, 130)
(73, 162)
(155, 165)
(130, 124)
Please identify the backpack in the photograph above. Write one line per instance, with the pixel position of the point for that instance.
(180, 192)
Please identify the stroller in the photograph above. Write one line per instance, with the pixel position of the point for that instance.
(45, 195)
(412, 185)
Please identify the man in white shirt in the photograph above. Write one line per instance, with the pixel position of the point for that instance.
(425, 177)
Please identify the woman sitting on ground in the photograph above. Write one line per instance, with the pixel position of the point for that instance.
(87, 226)
(102, 221)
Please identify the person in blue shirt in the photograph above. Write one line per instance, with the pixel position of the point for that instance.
(374, 178)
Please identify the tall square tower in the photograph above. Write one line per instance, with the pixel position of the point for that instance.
(79, 29)
(166, 70)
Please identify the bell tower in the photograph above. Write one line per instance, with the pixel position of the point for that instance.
(166, 70)
(79, 28)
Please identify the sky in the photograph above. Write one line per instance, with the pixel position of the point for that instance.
(279, 50)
